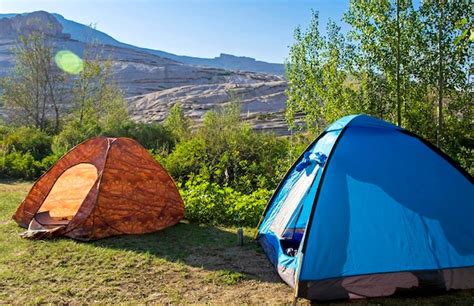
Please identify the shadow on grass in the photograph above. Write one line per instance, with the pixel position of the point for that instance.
(206, 247)
(12, 181)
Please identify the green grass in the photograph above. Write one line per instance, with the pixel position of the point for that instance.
(187, 263)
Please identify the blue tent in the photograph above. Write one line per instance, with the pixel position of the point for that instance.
(370, 209)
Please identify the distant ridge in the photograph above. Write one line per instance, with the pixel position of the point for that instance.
(85, 33)
(153, 81)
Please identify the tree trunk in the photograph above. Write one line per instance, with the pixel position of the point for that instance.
(399, 103)
(439, 130)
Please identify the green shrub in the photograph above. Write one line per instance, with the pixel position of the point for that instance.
(188, 158)
(73, 134)
(28, 140)
(210, 203)
(152, 136)
(18, 165)
(233, 156)
(24, 166)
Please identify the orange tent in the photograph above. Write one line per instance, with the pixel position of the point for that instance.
(102, 187)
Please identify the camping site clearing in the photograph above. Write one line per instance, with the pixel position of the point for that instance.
(187, 263)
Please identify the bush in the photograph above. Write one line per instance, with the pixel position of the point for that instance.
(210, 203)
(24, 166)
(73, 134)
(18, 165)
(28, 140)
(230, 153)
(152, 136)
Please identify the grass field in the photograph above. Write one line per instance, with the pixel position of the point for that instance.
(184, 264)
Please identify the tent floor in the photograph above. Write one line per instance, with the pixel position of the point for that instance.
(44, 226)
(46, 220)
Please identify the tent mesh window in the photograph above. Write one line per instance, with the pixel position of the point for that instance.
(288, 224)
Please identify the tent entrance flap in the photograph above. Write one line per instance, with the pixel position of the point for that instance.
(68, 193)
(62, 202)
(47, 229)
(293, 203)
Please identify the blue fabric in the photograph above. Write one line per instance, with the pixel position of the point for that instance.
(269, 240)
(388, 203)
(322, 149)
(367, 121)
(310, 157)
(341, 123)
(277, 256)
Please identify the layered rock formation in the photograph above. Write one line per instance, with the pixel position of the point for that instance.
(262, 103)
(24, 25)
(153, 83)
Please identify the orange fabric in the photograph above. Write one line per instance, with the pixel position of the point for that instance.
(69, 191)
(131, 194)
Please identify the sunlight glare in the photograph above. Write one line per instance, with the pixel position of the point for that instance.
(68, 62)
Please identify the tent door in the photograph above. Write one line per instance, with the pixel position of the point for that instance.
(286, 224)
(67, 194)
(63, 201)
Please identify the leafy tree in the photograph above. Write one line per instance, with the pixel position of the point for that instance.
(34, 91)
(382, 34)
(97, 100)
(446, 63)
(405, 64)
(304, 74)
(98, 106)
(319, 83)
(177, 122)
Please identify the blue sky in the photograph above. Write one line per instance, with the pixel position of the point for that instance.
(261, 29)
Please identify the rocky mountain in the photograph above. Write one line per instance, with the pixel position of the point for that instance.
(262, 103)
(153, 83)
(13, 26)
(85, 33)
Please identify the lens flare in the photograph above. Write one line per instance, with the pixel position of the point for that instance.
(68, 62)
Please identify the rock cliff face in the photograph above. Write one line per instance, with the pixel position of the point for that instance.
(26, 24)
(262, 103)
(152, 84)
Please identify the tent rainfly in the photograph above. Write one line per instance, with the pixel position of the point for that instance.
(370, 209)
(102, 187)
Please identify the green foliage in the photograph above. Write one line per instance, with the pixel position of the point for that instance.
(411, 65)
(72, 134)
(186, 159)
(177, 123)
(28, 140)
(24, 165)
(152, 136)
(211, 203)
(226, 172)
(18, 165)
(97, 100)
(229, 153)
(317, 77)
